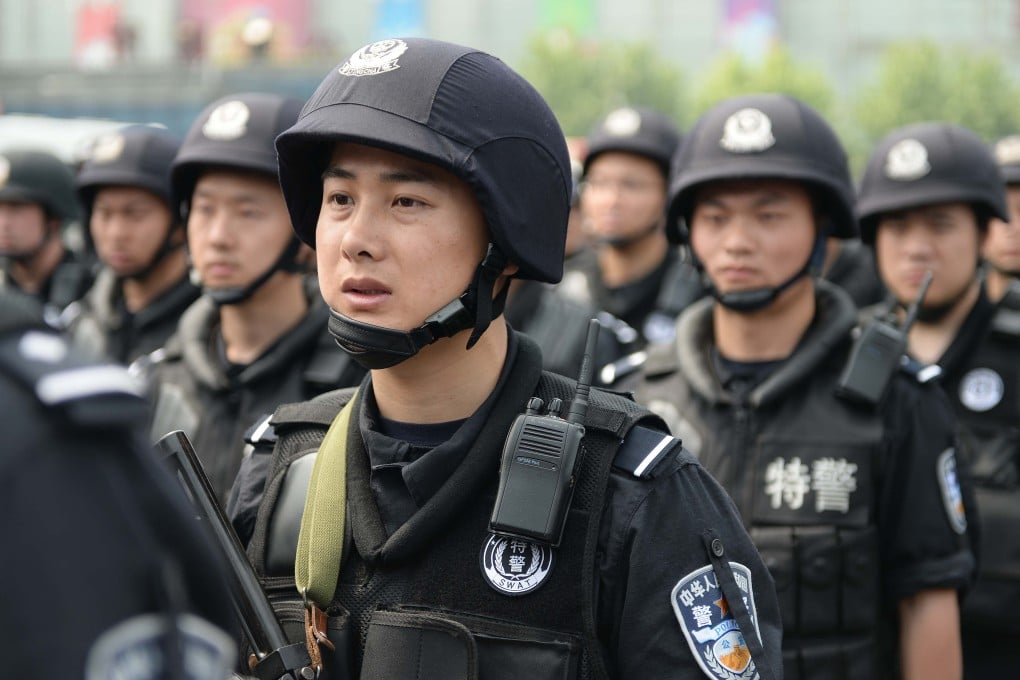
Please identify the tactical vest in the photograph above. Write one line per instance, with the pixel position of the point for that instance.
(801, 466)
(431, 614)
(986, 395)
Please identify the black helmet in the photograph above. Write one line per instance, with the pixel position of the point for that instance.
(32, 176)
(762, 136)
(1007, 153)
(464, 111)
(639, 131)
(455, 107)
(237, 131)
(928, 163)
(135, 156)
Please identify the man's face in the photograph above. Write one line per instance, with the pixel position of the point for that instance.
(397, 239)
(22, 227)
(128, 227)
(1002, 246)
(943, 238)
(238, 226)
(623, 195)
(751, 234)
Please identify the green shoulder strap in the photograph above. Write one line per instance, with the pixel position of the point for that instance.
(321, 541)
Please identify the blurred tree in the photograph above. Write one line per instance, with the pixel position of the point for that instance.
(732, 75)
(920, 81)
(583, 80)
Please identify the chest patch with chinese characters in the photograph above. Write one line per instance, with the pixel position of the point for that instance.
(812, 486)
(514, 566)
(708, 624)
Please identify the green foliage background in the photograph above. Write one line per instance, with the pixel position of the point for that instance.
(584, 79)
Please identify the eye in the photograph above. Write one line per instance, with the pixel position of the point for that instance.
(407, 202)
(338, 199)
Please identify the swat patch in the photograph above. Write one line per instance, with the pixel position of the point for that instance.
(136, 650)
(1007, 150)
(952, 496)
(108, 148)
(227, 121)
(981, 389)
(746, 131)
(708, 624)
(622, 123)
(379, 57)
(907, 160)
(5, 170)
(515, 566)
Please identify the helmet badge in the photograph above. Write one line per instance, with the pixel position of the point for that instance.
(1007, 151)
(108, 148)
(379, 57)
(907, 160)
(227, 121)
(623, 123)
(747, 131)
(5, 170)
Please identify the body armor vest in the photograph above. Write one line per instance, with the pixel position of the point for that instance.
(802, 466)
(435, 598)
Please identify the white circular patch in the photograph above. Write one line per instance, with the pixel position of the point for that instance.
(1007, 150)
(108, 148)
(623, 123)
(42, 347)
(981, 389)
(515, 566)
(5, 170)
(746, 131)
(379, 57)
(907, 160)
(227, 121)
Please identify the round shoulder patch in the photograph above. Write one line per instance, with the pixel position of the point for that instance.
(515, 566)
(378, 57)
(136, 649)
(907, 160)
(981, 389)
(746, 131)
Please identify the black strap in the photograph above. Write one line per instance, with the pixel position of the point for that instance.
(728, 584)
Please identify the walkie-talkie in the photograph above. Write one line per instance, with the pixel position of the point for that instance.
(877, 354)
(536, 477)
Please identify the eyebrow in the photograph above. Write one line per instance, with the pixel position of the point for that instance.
(392, 177)
(764, 200)
(241, 197)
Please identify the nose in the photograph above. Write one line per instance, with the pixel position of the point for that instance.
(360, 237)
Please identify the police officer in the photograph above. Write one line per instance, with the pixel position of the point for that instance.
(405, 171)
(36, 201)
(1002, 245)
(105, 573)
(143, 287)
(633, 273)
(255, 337)
(854, 506)
(925, 202)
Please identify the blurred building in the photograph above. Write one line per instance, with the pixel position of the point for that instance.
(162, 60)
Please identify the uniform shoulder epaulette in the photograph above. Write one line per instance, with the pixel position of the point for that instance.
(918, 371)
(87, 393)
(642, 451)
(261, 435)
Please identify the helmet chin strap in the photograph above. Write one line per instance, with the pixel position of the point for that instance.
(376, 347)
(164, 251)
(26, 257)
(759, 298)
(235, 296)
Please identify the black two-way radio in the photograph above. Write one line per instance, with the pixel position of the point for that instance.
(536, 477)
(877, 354)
